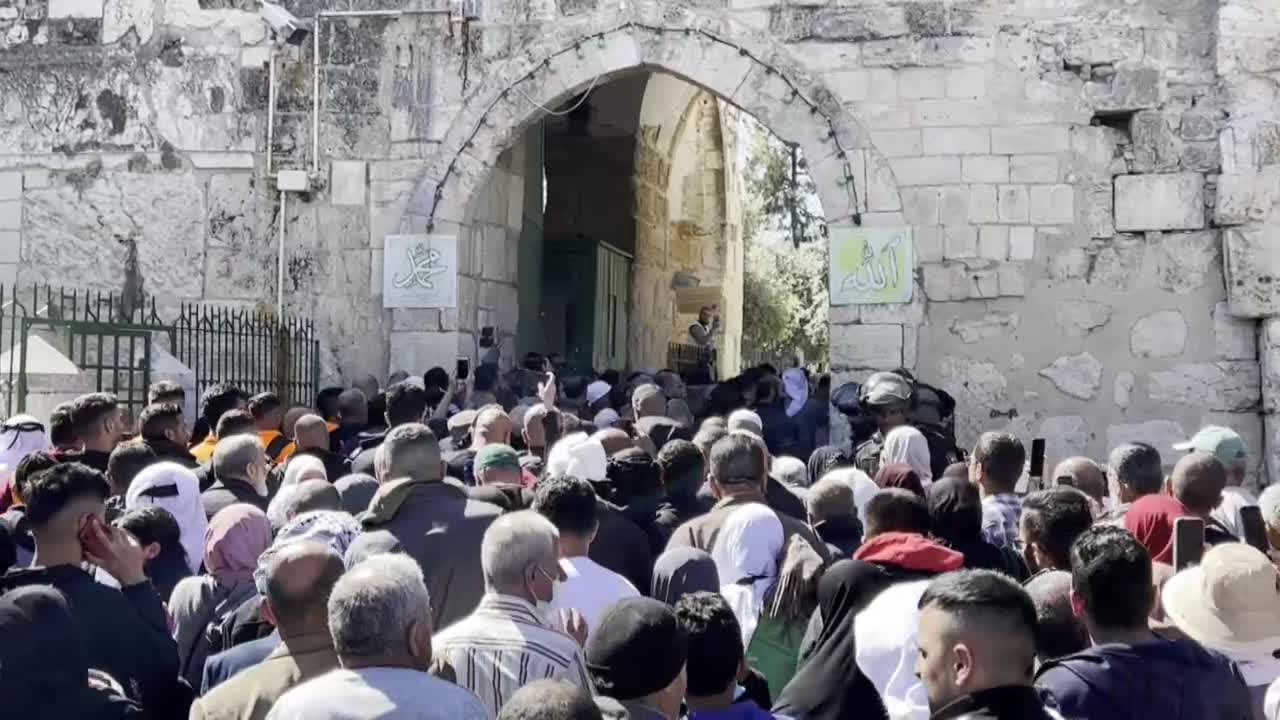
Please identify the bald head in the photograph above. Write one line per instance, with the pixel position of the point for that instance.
(315, 494)
(491, 426)
(353, 406)
(550, 700)
(291, 418)
(311, 432)
(648, 400)
(1058, 631)
(614, 441)
(1082, 474)
(300, 577)
(1197, 482)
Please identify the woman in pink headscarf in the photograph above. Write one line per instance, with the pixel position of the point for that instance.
(237, 535)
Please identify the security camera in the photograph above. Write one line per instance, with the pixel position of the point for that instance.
(288, 28)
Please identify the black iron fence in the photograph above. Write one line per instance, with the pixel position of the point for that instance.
(111, 339)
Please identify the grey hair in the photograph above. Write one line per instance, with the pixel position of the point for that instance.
(831, 497)
(1138, 466)
(1269, 501)
(374, 604)
(411, 450)
(514, 542)
(790, 471)
(232, 455)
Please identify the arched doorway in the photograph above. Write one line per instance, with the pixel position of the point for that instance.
(741, 66)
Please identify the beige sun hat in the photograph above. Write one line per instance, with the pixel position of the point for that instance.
(1229, 602)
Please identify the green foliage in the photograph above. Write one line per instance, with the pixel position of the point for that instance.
(785, 299)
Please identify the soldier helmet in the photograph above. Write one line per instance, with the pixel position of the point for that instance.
(886, 388)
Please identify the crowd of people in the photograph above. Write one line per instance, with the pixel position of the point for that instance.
(543, 546)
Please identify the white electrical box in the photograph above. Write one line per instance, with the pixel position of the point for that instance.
(293, 181)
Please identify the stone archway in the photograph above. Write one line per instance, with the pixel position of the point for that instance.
(744, 66)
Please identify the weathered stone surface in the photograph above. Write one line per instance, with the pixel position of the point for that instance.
(347, 181)
(110, 227)
(979, 387)
(1122, 393)
(1116, 263)
(1253, 270)
(1234, 338)
(1081, 317)
(1076, 375)
(1132, 87)
(1161, 334)
(1247, 197)
(1171, 201)
(973, 329)
(1065, 436)
(866, 346)
(1229, 386)
(1186, 262)
(1155, 147)
(1159, 434)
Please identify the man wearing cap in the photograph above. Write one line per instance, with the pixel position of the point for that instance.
(1230, 603)
(636, 657)
(1226, 445)
(491, 425)
(499, 478)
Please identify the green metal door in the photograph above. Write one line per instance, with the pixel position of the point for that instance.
(613, 285)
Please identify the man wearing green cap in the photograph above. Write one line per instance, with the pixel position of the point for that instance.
(499, 478)
(1226, 445)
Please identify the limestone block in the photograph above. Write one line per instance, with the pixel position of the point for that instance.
(11, 185)
(957, 141)
(1122, 393)
(1076, 375)
(882, 190)
(1078, 318)
(35, 178)
(1186, 262)
(920, 205)
(1132, 87)
(1052, 204)
(914, 83)
(1234, 338)
(1170, 201)
(866, 346)
(10, 246)
(1099, 207)
(1161, 334)
(978, 387)
(961, 241)
(75, 9)
(1228, 386)
(11, 215)
(1012, 279)
(953, 205)
(1029, 139)
(111, 221)
(1117, 262)
(121, 16)
(967, 82)
(1013, 203)
(928, 244)
(897, 143)
(418, 349)
(1022, 243)
(1033, 168)
(1155, 147)
(953, 112)
(347, 181)
(1269, 364)
(1159, 434)
(927, 170)
(908, 314)
(977, 328)
(1248, 197)
(982, 204)
(984, 282)
(985, 169)
(993, 242)
(1065, 436)
(946, 282)
(1253, 270)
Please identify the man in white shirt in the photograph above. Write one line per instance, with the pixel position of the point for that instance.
(1226, 445)
(590, 588)
(509, 642)
(380, 620)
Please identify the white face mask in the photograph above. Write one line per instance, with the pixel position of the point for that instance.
(544, 606)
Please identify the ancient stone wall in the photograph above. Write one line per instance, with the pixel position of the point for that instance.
(1072, 171)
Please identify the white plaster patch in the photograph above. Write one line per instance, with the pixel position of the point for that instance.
(1076, 375)
(1161, 334)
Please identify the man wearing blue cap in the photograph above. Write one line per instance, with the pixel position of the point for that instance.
(1226, 445)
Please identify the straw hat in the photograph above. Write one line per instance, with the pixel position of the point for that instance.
(1229, 602)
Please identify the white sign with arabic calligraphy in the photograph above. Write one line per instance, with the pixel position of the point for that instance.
(871, 266)
(420, 271)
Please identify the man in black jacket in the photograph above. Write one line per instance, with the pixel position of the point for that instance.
(241, 466)
(978, 648)
(312, 438)
(164, 429)
(98, 427)
(125, 631)
(406, 403)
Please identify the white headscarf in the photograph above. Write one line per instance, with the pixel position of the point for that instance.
(907, 445)
(20, 436)
(580, 456)
(796, 385)
(299, 468)
(746, 557)
(176, 489)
